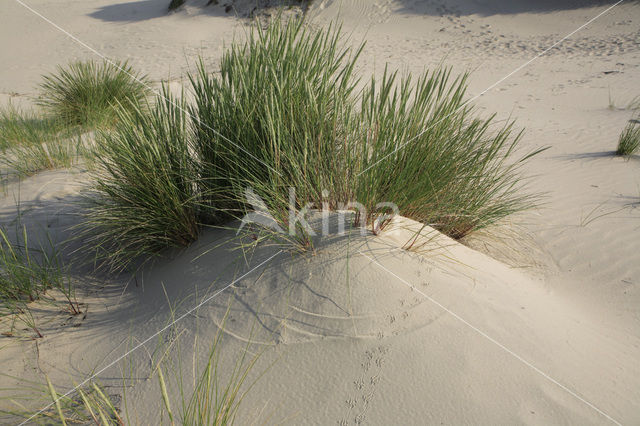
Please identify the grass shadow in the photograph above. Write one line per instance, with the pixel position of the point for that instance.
(594, 156)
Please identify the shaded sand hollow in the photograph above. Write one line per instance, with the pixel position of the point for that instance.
(538, 323)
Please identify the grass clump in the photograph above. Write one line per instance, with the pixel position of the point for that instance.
(28, 159)
(18, 127)
(87, 94)
(284, 114)
(26, 275)
(280, 115)
(32, 143)
(422, 147)
(145, 195)
(629, 141)
(82, 96)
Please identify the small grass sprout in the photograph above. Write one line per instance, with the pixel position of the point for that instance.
(629, 141)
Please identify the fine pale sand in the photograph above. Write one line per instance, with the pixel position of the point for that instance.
(535, 321)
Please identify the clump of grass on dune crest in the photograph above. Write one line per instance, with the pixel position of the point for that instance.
(284, 113)
(280, 115)
(421, 147)
(629, 142)
(87, 93)
(145, 195)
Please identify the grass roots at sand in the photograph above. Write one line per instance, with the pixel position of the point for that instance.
(284, 112)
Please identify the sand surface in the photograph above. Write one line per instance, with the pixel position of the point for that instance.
(537, 323)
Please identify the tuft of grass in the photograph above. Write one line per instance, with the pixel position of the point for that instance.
(629, 141)
(422, 147)
(217, 393)
(280, 115)
(59, 152)
(144, 197)
(87, 94)
(87, 405)
(284, 114)
(26, 274)
(19, 127)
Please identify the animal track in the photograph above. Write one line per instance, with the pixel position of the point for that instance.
(352, 402)
(372, 363)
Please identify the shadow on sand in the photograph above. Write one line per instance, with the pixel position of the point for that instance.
(134, 11)
(494, 7)
(596, 156)
(143, 10)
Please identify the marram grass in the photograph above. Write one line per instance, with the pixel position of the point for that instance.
(31, 143)
(212, 396)
(281, 114)
(284, 113)
(88, 93)
(145, 178)
(629, 141)
(29, 159)
(23, 127)
(28, 271)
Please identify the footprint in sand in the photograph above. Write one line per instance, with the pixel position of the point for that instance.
(364, 386)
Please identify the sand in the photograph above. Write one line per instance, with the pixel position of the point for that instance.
(536, 321)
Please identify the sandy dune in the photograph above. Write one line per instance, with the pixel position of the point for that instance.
(539, 325)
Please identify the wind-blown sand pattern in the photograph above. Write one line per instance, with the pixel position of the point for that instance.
(539, 327)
